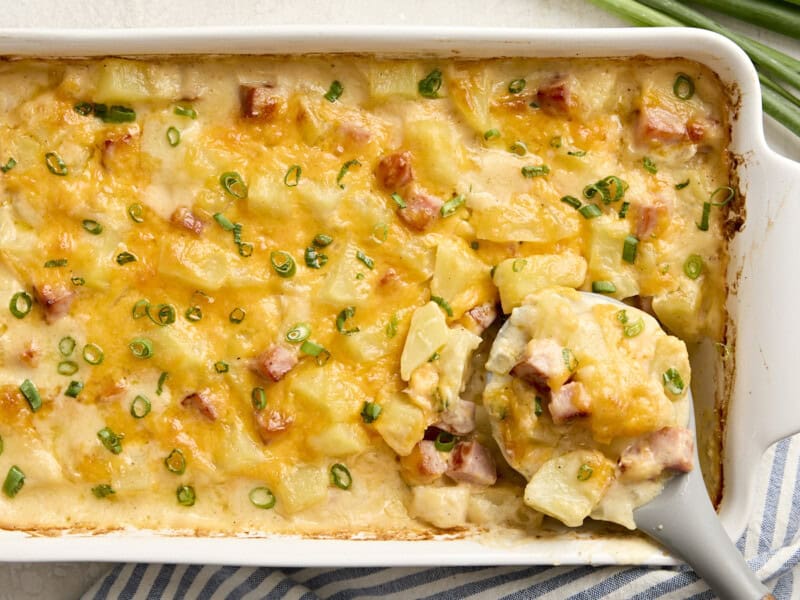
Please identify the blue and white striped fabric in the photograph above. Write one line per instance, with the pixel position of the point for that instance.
(771, 546)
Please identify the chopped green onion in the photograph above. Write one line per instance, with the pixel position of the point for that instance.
(298, 333)
(140, 407)
(585, 472)
(67, 367)
(175, 462)
(368, 262)
(683, 87)
(321, 240)
(535, 171)
(104, 490)
(474, 244)
(136, 213)
(141, 308)
(430, 86)
(590, 211)
(262, 497)
(343, 171)
(115, 114)
(622, 316)
(295, 171)
(445, 441)
(282, 263)
(92, 227)
(649, 165)
(246, 249)
(516, 86)
(693, 266)
(314, 259)
(31, 394)
(572, 201)
(673, 382)
(570, 360)
(723, 188)
(334, 91)
(347, 313)
(194, 313)
(14, 304)
(518, 265)
(360, 276)
(370, 412)
(141, 347)
(681, 185)
(221, 366)
(340, 476)
(603, 287)
(623, 211)
(391, 326)
(629, 248)
(537, 406)
(124, 258)
(55, 263)
(165, 314)
(534, 104)
(399, 200)
(73, 389)
(491, 134)
(55, 164)
(518, 148)
(223, 221)
(578, 153)
(162, 379)
(10, 164)
(233, 184)
(93, 354)
(186, 111)
(173, 136)
(452, 205)
(112, 441)
(443, 305)
(555, 142)
(434, 357)
(186, 495)
(703, 224)
(237, 315)
(259, 398)
(14, 481)
(320, 354)
(633, 328)
(84, 108)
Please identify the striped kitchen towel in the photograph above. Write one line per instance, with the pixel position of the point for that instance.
(771, 546)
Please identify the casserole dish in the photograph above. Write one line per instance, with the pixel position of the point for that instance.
(752, 264)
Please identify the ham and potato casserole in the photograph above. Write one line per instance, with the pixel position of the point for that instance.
(336, 295)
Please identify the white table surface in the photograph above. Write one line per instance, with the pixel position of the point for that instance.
(53, 581)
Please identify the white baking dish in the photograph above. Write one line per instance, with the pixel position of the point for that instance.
(764, 290)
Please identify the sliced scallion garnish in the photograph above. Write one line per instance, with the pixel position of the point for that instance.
(370, 412)
(141, 308)
(73, 389)
(673, 382)
(452, 205)
(340, 476)
(93, 354)
(221, 366)
(321, 240)
(283, 263)
(693, 266)
(237, 315)
(603, 287)
(516, 86)
(55, 263)
(124, 258)
(443, 304)
(233, 184)
(67, 367)
(14, 481)
(140, 407)
(186, 495)
(703, 224)
(26, 302)
(31, 394)
(262, 497)
(571, 201)
(103, 490)
(570, 360)
(320, 354)
(429, 86)
(368, 262)
(491, 134)
(114, 114)
(162, 315)
(681, 185)
(175, 462)
(111, 440)
(519, 148)
(398, 199)
(141, 347)
(633, 328)
(590, 211)
(537, 406)
(136, 212)
(391, 326)
(683, 87)
(649, 165)
(341, 319)
(92, 226)
(298, 333)
(162, 379)
(259, 398)
(55, 164)
(343, 171)
(518, 265)
(445, 441)
(555, 142)
(335, 91)
(185, 111)
(292, 177)
(629, 248)
(173, 136)
(623, 211)
(315, 259)
(585, 472)
(194, 313)
(535, 171)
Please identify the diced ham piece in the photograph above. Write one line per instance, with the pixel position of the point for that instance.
(660, 126)
(568, 402)
(275, 362)
(269, 423)
(650, 218)
(113, 151)
(201, 402)
(555, 97)
(354, 132)
(543, 360)
(389, 276)
(30, 354)
(483, 315)
(420, 211)
(183, 217)
(696, 130)
(458, 419)
(259, 102)
(472, 463)
(668, 448)
(394, 171)
(55, 300)
(425, 464)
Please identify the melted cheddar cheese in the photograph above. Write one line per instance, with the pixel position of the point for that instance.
(149, 210)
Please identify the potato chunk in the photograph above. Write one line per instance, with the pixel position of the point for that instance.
(517, 278)
(427, 334)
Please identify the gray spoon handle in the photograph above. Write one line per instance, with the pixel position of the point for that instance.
(682, 519)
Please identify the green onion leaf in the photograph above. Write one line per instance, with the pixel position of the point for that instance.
(703, 224)
(391, 326)
(633, 328)
(370, 412)
(141, 308)
(693, 266)
(14, 481)
(162, 379)
(343, 171)
(518, 265)
(622, 316)
(340, 476)
(140, 407)
(445, 441)
(186, 495)
(31, 394)
(578, 153)
(92, 227)
(223, 221)
(26, 302)
(185, 111)
(491, 134)
(535, 171)
(673, 382)
(334, 91)
(237, 315)
(590, 211)
(570, 360)
(262, 497)
(73, 389)
(233, 184)
(298, 333)
(347, 313)
(104, 490)
(173, 136)
(623, 211)
(115, 114)
(55, 164)
(572, 201)
(368, 262)
(318, 352)
(246, 249)
(585, 472)
(112, 441)
(292, 177)
(314, 259)
(84, 108)
(603, 287)
(443, 305)
(399, 200)
(321, 240)
(430, 86)
(136, 213)
(603, 187)
(93, 354)
(67, 367)
(221, 366)
(124, 258)
(165, 314)
(452, 205)
(683, 87)
(537, 406)
(55, 263)
(10, 164)
(283, 263)
(681, 185)
(194, 313)
(555, 142)
(141, 347)
(629, 248)
(175, 462)
(649, 165)
(731, 194)
(259, 398)
(516, 86)
(518, 148)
